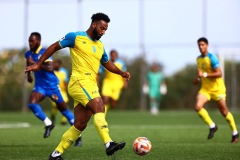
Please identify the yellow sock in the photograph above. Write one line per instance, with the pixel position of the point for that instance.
(204, 115)
(102, 126)
(64, 119)
(106, 109)
(70, 136)
(54, 111)
(231, 121)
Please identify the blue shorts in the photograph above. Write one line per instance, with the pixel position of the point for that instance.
(53, 93)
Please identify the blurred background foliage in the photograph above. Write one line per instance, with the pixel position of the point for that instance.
(181, 91)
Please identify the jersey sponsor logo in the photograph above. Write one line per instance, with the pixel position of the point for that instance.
(94, 49)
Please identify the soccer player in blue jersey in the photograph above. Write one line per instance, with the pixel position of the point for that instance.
(46, 84)
(212, 87)
(87, 53)
(112, 83)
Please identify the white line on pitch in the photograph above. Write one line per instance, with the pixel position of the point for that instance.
(14, 125)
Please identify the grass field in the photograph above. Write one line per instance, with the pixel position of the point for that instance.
(175, 135)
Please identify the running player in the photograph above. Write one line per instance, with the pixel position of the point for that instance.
(113, 83)
(212, 87)
(46, 84)
(63, 77)
(87, 52)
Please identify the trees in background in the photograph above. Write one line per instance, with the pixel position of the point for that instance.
(181, 91)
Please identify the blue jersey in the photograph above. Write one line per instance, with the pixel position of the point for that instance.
(43, 79)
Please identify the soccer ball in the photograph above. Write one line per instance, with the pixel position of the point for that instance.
(141, 146)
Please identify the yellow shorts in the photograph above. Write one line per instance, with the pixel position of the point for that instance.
(111, 89)
(65, 98)
(215, 95)
(82, 90)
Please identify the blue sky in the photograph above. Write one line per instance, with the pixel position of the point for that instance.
(168, 28)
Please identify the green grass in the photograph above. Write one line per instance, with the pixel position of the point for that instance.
(175, 135)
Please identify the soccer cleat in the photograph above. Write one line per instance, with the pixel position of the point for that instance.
(235, 138)
(212, 131)
(113, 147)
(78, 142)
(55, 158)
(48, 130)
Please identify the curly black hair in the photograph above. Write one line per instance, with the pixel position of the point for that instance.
(203, 39)
(38, 35)
(100, 16)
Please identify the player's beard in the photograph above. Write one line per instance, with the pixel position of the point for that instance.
(96, 35)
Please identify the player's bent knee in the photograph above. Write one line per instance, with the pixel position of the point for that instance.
(80, 126)
(197, 108)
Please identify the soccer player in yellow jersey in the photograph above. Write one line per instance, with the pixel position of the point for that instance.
(87, 52)
(212, 87)
(63, 77)
(112, 83)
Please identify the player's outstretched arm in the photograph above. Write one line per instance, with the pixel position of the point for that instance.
(49, 52)
(217, 73)
(113, 68)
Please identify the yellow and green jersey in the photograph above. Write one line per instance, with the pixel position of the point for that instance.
(207, 64)
(86, 54)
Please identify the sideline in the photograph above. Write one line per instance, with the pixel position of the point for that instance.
(14, 125)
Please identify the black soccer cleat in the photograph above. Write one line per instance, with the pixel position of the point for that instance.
(48, 130)
(78, 142)
(55, 158)
(113, 147)
(235, 138)
(212, 131)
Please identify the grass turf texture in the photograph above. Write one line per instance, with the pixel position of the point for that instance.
(175, 135)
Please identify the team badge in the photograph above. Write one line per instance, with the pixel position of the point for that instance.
(55, 97)
(94, 49)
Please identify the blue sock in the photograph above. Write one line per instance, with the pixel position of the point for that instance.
(37, 110)
(68, 114)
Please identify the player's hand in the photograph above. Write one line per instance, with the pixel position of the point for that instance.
(30, 61)
(196, 80)
(29, 79)
(200, 73)
(33, 67)
(126, 75)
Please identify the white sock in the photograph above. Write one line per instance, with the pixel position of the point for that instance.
(55, 154)
(212, 125)
(235, 133)
(108, 144)
(47, 121)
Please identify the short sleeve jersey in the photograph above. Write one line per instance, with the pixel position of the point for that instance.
(86, 54)
(115, 78)
(207, 64)
(44, 79)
